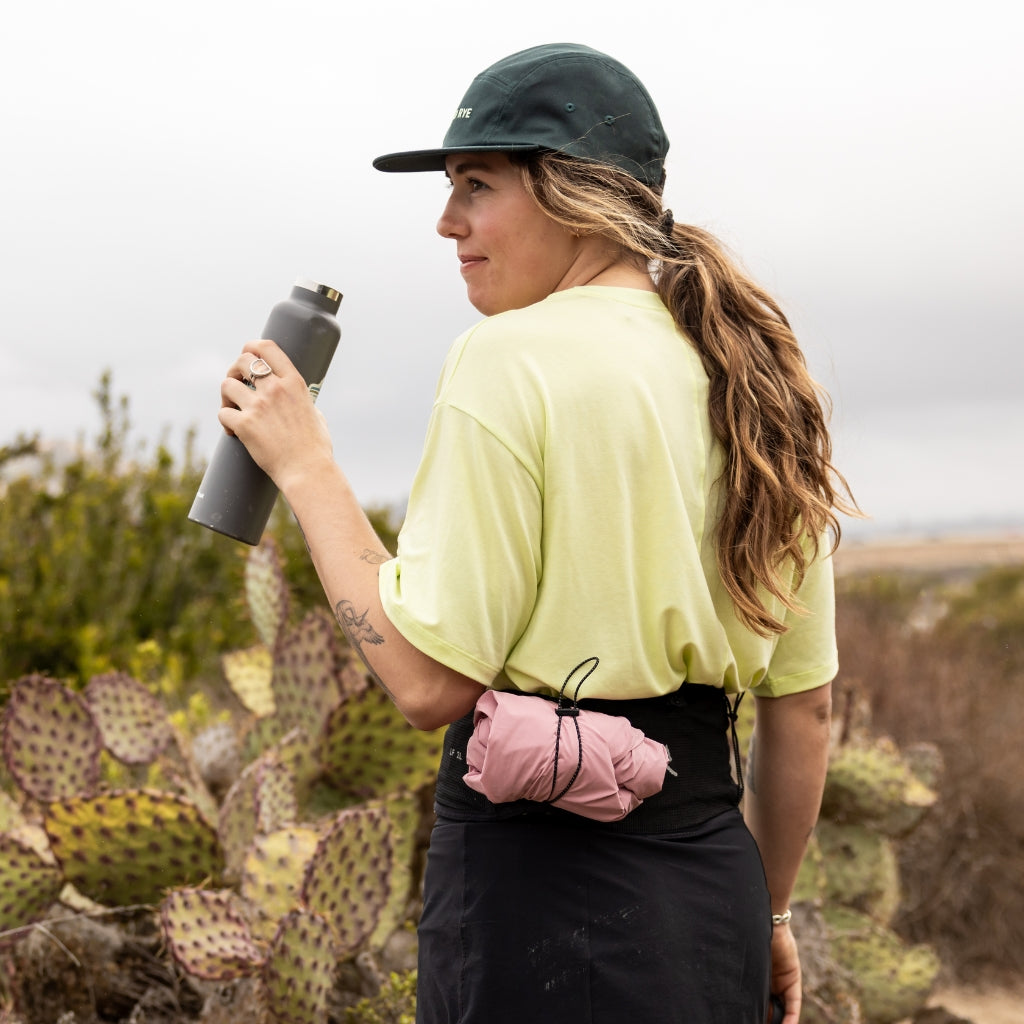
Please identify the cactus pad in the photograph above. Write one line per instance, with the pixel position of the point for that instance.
(261, 800)
(873, 785)
(236, 822)
(28, 883)
(127, 846)
(51, 743)
(369, 750)
(891, 980)
(216, 754)
(275, 797)
(861, 869)
(403, 811)
(249, 673)
(207, 936)
(299, 968)
(306, 674)
(348, 879)
(299, 753)
(273, 871)
(132, 721)
(10, 814)
(266, 591)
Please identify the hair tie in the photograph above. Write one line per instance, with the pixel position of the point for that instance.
(670, 247)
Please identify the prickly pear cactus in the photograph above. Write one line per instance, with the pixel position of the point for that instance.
(127, 846)
(299, 968)
(236, 822)
(131, 720)
(828, 994)
(872, 785)
(403, 812)
(892, 981)
(216, 754)
(262, 799)
(276, 805)
(369, 750)
(10, 815)
(272, 874)
(29, 883)
(306, 674)
(207, 935)
(51, 743)
(861, 869)
(348, 878)
(266, 591)
(249, 673)
(810, 880)
(299, 753)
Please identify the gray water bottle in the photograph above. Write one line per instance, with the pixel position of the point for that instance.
(236, 497)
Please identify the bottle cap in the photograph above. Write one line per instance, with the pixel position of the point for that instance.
(329, 293)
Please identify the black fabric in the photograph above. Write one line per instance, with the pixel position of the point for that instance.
(534, 915)
(541, 921)
(692, 722)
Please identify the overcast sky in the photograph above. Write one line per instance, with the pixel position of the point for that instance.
(168, 171)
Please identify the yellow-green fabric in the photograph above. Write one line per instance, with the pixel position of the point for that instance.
(564, 508)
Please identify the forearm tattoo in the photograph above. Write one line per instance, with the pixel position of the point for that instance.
(374, 557)
(359, 632)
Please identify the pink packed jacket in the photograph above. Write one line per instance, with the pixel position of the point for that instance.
(511, 757)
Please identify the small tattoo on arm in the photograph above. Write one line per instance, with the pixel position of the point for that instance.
(374, 557)
(359, 632)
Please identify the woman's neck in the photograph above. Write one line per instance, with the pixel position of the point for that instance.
(623, 275)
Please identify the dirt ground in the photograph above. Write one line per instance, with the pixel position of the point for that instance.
(993, 1006)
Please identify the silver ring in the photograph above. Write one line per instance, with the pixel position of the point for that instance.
(259, 368)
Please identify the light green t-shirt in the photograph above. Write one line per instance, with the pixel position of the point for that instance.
(564, 509)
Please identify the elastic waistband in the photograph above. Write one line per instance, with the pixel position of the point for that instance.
(693, 723)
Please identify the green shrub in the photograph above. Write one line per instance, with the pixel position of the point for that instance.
(97, 556)
(394, 1004)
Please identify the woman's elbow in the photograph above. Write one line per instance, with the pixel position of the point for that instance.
(430, 707)
(424, 718)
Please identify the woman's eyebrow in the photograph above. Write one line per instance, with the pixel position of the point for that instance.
(470, 165)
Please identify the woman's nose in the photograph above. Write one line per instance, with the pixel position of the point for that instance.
(450, 224)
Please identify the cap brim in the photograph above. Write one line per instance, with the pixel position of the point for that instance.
(433, 159)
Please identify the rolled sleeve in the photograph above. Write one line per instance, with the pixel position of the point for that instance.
(464, 583)
(806, 656)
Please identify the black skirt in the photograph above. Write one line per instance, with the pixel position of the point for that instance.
(533, 915)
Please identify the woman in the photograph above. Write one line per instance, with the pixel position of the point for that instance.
(626, 462)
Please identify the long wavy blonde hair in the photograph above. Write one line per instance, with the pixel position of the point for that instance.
(781, 491)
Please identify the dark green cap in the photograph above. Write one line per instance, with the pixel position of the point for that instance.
(561, 96)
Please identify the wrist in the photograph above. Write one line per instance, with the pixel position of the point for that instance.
(782, 918)
(308, 478)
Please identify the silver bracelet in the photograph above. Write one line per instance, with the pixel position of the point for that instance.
(782, 918)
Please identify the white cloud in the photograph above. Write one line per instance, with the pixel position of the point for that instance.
(170, 170)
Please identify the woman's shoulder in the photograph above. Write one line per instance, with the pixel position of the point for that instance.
(579, 331)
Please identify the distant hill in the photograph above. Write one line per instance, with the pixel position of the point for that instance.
(930, 554)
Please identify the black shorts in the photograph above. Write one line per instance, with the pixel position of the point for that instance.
(542, 917)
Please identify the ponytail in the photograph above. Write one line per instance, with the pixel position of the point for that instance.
(779, 482)
(780, 489)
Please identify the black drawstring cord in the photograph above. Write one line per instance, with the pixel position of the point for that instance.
(732, 710)
(571, 710)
